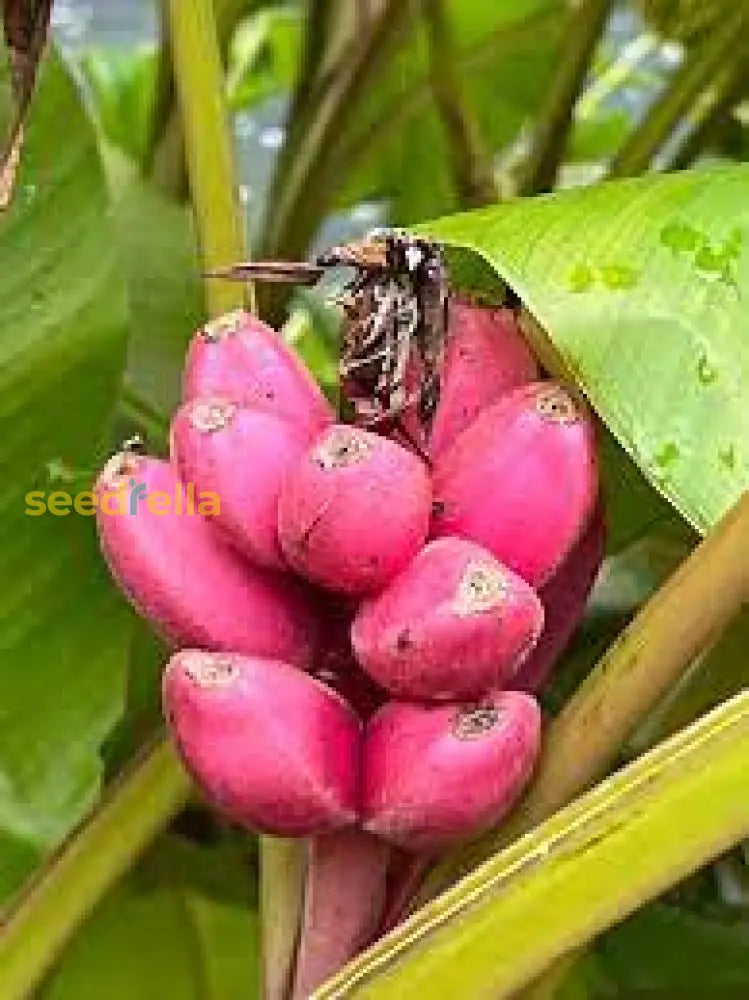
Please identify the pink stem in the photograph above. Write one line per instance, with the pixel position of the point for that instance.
(405, 877)
(344, 898)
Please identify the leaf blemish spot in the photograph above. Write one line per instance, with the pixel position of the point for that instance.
(706, 373)
(708, 259)
(618, 276)
(668, 454)
(580, 278)
(728, 457)
(680, 236)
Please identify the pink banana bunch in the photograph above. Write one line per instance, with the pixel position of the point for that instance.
(358, 634)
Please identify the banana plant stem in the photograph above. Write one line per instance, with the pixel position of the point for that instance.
(699, 68)
(208, 146)
(586, 22)
(136, 808)
(471, 169)
(283, 867)
(714, 110)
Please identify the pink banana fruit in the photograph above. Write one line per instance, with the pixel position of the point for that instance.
(521, 480)
(242, 455)
(270, 747)
(181, 575)
(354, 511)
(239, 358)
(453, 625)
(564, 597)
(436, 774)
(485, 356)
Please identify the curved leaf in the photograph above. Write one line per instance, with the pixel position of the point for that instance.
(642, 287)
(179, 926)
(61, 353)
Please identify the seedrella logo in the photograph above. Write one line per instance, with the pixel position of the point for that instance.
(124, 501)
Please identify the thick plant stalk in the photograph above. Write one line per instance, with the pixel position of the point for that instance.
(210, 167)
(164, 158)
(46, 916)
(405, 883)
(470, 167)
(295, 191)
(580, 746)
(692, 78)
(713, 111)
(550, 982)
(585, 25)
(344, 898)
(283, 866)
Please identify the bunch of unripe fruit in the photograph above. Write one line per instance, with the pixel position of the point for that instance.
(362, 627)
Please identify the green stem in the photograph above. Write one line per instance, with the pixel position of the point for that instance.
(699, 68)
(328, 27)
(711, 113)
(300, 192)
(283, 866)
(208, 146)
(586, 22)
(471, 170)
(164, 158)
(627, 61)
(134, 810)
(581, 744)
(353, 148)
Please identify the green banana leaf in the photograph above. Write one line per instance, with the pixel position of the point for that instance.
(63, 629)
(641, 287)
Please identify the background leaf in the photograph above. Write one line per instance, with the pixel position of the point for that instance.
(181, 926)
(665, 951)
(263, 55)
(641, 287)
(122, 85)
(162, 275)
(62, 338)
